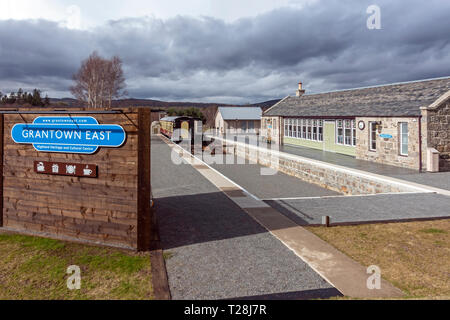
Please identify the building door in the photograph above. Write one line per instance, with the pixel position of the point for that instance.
(329, 135)
(185, 130)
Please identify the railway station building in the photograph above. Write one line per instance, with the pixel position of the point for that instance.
(402, 124)
(238, 120)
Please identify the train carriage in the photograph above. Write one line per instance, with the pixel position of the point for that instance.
(189, 125)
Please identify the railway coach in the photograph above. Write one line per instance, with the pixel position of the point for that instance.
(189, 127)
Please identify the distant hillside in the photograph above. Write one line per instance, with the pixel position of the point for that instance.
(208, 109)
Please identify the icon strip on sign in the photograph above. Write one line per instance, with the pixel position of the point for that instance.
(66, 169)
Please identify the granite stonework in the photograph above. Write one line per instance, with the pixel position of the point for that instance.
(436, 129)
(388, 149)
(327, 176)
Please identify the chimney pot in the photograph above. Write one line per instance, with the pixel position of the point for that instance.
(300, 90)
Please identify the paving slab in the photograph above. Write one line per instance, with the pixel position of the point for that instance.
(436, 179)
(215, 249)
(369, 208)
(280, 185)
(344, 273)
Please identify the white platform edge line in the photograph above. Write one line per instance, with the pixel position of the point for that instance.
(349, 196)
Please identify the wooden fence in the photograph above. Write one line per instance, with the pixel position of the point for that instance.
(113, 208)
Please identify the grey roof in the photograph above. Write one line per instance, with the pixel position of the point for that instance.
(169, 118)
(173, 118)
(402, 99)
(241, 113)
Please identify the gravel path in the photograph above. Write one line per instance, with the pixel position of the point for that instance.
(438, 179)
(365, 208)
(215, 250)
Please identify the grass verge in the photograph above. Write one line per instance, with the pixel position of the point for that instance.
(36, 268)
(414, 256)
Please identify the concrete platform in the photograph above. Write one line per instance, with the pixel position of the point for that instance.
(364, 209)
(269, 186)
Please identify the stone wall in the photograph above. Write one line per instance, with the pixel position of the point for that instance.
(388, 150)
(340, 179)
(437, 121)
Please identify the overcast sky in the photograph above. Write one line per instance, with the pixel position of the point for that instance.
(227, 51)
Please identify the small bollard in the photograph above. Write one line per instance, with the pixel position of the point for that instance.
(326, 221)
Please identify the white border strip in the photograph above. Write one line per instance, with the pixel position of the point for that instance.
(349, 196)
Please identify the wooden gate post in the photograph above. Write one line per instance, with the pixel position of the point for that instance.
(145, 227)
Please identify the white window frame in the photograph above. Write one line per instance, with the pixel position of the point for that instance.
(337, 131)
(345, 137)
(290, 128)
(348, 127)
(309, 129)
(314, 128)
(303, 128)
(294, 129)
(285, 122)
(354, 133)
(319, 126)
(401, 134)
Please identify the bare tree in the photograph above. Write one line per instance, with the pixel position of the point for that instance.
(115, 81)
(98, 81)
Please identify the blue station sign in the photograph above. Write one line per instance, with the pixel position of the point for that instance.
(68, 134)
(386, 136)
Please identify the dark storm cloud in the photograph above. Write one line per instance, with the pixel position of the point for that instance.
(326, 45)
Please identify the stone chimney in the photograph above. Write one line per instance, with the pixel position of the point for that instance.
(300, 90)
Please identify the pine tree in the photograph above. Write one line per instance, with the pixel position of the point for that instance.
(19, 94)
(12, 98)
(171, 112)
(36, 98)
(30, 98)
